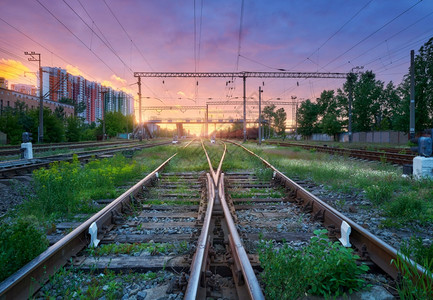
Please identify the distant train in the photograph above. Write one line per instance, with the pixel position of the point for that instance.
(252, 134)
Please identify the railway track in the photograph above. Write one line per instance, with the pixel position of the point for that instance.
(384, 155)
(15, 150)
(9, 169)
(213, 222)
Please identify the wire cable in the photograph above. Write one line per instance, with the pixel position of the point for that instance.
(374, 32)
(81, 41)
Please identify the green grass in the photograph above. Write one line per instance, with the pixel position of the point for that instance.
(403, 200)
(322, 268)
(20, 242)
(152, 248)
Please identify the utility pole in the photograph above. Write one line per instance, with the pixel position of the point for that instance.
(41, 97)
(140, 120)
(412, 96)
(260, 115)
(245, 108)
(206, 131)
(350, 80)
(243, 75)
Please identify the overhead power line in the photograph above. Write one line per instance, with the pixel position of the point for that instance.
(108, 46)
(44, 47)
(81, 41)
(129, 37)
(374, 32)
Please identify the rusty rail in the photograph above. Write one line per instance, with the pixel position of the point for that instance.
(392, 157)
(369, 245)
(200, 256)
(252, 286)
(251, 282)
(27, 165)
(29, 278)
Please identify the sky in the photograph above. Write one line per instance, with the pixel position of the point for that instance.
(108, 40)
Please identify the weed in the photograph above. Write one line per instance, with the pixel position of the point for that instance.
(406, 207)
(20, 242)
(379, 194)
(422, 254)
(321, 268)
(412, 284)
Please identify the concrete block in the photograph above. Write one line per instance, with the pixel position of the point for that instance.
(423, 167)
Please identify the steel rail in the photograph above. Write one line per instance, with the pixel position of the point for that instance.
(392, 157)
(28, 279)
(215, 175)
(14, 150)
(381, 253)
(28, 165)
(201, 252)
(254, 288)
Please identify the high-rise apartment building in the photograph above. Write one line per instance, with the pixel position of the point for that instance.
(3, 83)
(25, 88)
(58, 84)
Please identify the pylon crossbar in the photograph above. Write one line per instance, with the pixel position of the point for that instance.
(243, 74)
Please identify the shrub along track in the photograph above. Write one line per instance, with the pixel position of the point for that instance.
(142, 215)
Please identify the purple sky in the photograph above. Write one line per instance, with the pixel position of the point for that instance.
(296, 35)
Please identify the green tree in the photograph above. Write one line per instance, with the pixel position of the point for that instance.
(54, 129)
(79, 107)
(73, 129)
(16, 120)
(116, 122)
(268, 115)
(367, 95)
(307, 118)
(423, 91)
(280, 118)
(330, 113)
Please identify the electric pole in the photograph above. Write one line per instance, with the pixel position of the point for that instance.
(245, 109)
(412, 96)
(41, 97)
(260, 115)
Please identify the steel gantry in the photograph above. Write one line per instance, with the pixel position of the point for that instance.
(243, 75)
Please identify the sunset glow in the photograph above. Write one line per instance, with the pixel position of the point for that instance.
(160, 36)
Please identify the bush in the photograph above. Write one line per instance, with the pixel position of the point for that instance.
(322, 268)
(406, 207)
(379, 194)
(67, 188)
(20, 242)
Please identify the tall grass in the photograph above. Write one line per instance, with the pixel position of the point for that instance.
(68, 187)
(403, 200)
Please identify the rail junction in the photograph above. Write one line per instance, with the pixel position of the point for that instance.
(210, 222)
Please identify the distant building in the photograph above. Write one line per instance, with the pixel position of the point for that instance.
(58, 84)
(24, 88)
(3, 83)
(9, 98)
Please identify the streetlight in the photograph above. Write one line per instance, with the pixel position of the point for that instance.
(41, 98)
